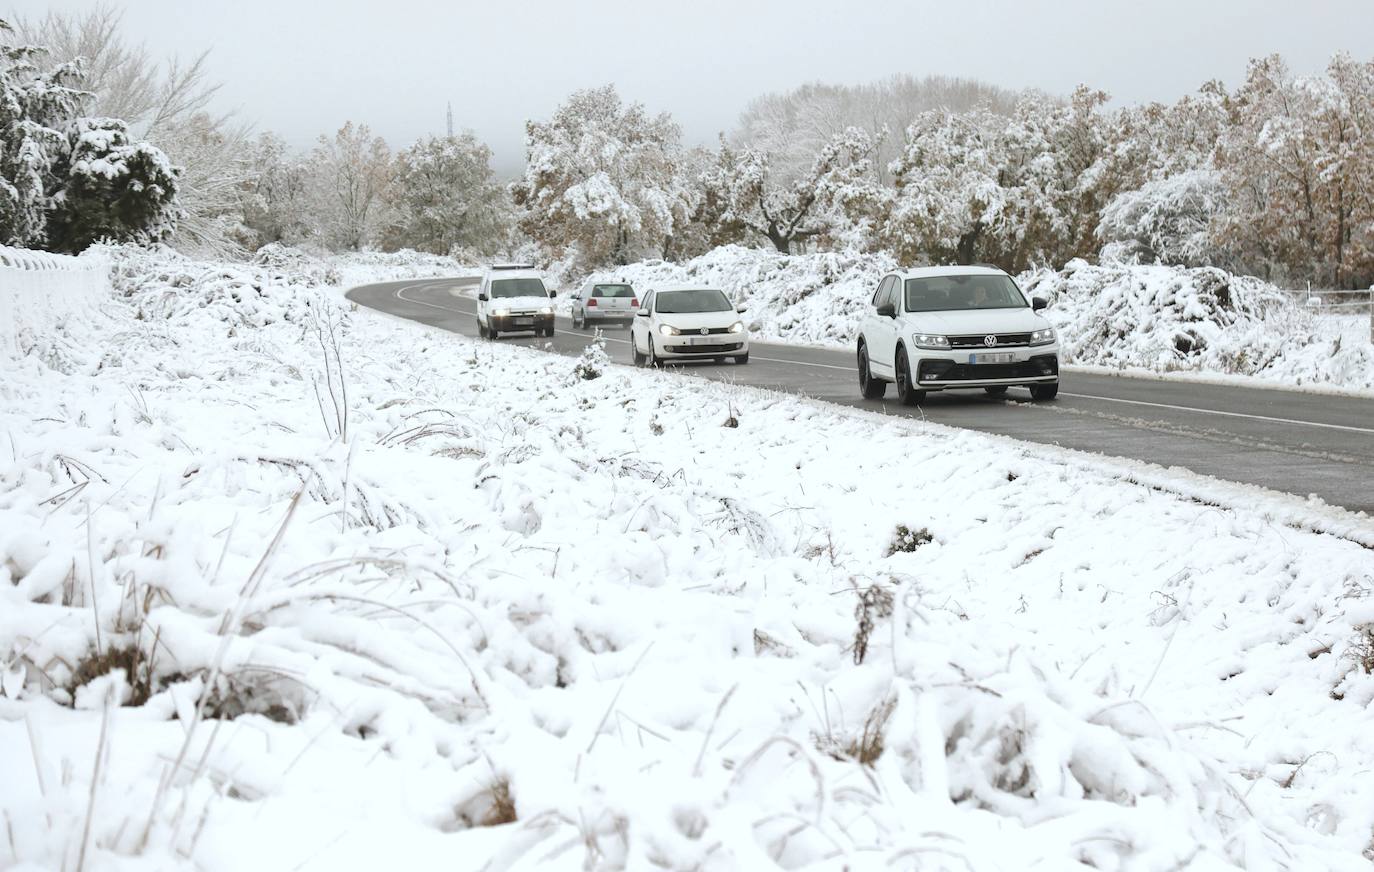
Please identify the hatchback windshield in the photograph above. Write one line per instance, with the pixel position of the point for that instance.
(944, 293)
(505, 288)
(612, 291)
(683, 302)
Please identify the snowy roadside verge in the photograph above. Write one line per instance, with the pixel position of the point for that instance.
(39, 290)
(524, 616)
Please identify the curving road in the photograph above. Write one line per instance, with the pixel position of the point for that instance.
(1285, 440)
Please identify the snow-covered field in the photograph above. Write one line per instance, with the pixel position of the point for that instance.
(287, 585)
(1141, 319)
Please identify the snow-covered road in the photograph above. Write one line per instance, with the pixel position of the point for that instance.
(1298, 442)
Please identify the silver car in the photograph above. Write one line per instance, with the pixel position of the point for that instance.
(599, 302)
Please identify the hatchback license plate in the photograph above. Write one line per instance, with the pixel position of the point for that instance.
(994, 357)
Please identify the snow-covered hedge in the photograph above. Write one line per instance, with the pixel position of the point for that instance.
(1205, 320)
(39, 290)
(461, 604)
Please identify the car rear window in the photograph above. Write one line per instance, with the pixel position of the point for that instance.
(612, 291)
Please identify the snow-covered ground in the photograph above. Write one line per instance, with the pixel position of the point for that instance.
(388, 598)
(1125, 318)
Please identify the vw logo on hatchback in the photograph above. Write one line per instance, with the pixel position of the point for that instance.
(705, 330)
(989, 340)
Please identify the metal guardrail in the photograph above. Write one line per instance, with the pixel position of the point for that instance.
(29, 260)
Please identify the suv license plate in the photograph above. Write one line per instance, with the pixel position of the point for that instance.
(994, 357)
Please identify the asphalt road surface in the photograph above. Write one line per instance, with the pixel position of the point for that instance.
(1290, 441)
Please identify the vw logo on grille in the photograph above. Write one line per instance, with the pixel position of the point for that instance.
(705, 330)
(989, 340)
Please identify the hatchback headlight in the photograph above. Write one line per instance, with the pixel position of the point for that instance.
(668, 330)
(1043, 337)
(737, 327)
(929, 340)
(501, 313)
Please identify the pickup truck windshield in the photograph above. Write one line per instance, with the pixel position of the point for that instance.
(683, 302)
(506, 288)
(953, 293)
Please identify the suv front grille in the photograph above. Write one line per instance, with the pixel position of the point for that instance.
(948, 370)
(1003, 340)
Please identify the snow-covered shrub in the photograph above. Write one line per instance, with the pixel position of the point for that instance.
(1167, 220)
(1201, 319)
(593, 362)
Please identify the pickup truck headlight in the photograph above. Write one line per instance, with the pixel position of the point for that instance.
(547, 310)
(1043, 337)
(668, 330)
(737, 327)
(500, 313)
(929, 340)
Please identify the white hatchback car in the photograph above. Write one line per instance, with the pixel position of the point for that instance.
(513, 297)
(688, 323)
(938, 328)
(599, 302)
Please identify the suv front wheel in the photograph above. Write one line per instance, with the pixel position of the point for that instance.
(870, 387)
(906, 392)
(1045, 392)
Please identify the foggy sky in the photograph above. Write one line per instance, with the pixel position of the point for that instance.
(295, 68)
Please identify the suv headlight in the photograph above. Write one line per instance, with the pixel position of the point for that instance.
(737, 327)
(668, 330)
(500, 313)
(929, 340)
(1043, 337)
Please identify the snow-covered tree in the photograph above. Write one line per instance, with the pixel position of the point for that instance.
(1166, 220)
(602, 177)
(948, 196)
(164, 102)
(67, 180)
(445, 197)
(352, 171)
(114, 188)
(787, 212)
(275, 200)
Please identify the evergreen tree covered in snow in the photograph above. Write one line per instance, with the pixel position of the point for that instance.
(67, 180)
(603, 178)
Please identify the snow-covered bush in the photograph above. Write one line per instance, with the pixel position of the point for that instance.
(1204, 319)
(1167, 220)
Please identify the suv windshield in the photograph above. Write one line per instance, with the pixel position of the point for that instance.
(683, 302)
(612, 291)
(505, 288)
(945, 293)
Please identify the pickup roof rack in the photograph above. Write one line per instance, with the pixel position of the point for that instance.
(500, 266)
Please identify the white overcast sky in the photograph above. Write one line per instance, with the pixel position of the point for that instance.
(303, 68)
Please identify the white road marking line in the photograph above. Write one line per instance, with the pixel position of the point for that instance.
(1269, 418)
(1218, 412)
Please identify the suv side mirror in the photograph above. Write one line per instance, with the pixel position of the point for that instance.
(741, 308)
(887, 310)
(482, 297)
(1038, 303)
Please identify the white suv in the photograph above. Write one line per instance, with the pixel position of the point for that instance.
(513, 297)
(938, 328)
